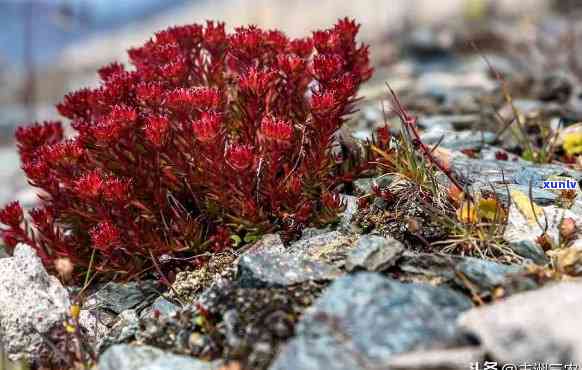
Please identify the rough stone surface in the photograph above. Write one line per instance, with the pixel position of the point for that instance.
(530, 250)
(118, 297)
(483, 173)
(541, 326)
(374, 253)
(439, 359)
(271, 268)
(482, 275)
(485, 274)
(94, 323)
(161, 306)
(346, 217)
(458, 140)
(126, 357)
(330, 247)
(525, 228)
(364, 186)
(32, 303)
(362, 320)
(123, 330)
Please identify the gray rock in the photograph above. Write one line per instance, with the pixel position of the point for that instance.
(522, 226)
(348, 214)
(439, 359)
(364, 186)
(311, 232)
(530, 250)
(540, 326)
(482, 173)
(485, 274)
(94, 323)
(123, 331)
(268, 243)
(449, 122)
(430, 265)
(3, 252)
(32, 304)
(425, 42)
(482, 275)
(540, 196)
(126, 357)
(362, 320)
(458, 140)
(330, 247)
(374, 253)
(118, 297)
(263, 267)
(162, 306)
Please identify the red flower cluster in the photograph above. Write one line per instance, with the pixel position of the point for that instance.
(210, 134)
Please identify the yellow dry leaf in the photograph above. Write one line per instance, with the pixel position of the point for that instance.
(75, 310)
(69, 328)
(488, 209)
(467, 212)
(526, 207)
(475, 10)
(573, 143)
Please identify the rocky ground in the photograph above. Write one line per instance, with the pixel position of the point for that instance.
(390, 286)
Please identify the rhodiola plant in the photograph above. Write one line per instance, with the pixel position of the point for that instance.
(207, 135)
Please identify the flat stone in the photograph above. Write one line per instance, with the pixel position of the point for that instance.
(118, 297)
(530, 250)
(483, 275)
(483, 173)
(374, 253)
(162, 306)
(522, 226)
(273, 268)
(437, 359)
(362, 320)
(123, 331)
(458, 140)
(365, 185)
(540, 326)
(346, 217)
(449, 122)
(32, 304)
(540, 196)
(126, 357)
(330, 247)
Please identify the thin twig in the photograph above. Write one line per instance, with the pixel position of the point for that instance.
(409, 122)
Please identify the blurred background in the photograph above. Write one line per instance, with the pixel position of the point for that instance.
(49, 47)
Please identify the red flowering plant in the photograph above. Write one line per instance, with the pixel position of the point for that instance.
(208, 136)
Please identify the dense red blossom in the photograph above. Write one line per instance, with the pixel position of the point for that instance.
(257, 82)
(207, 128)
(67, 151)
(277, 130)
(156, 130)
(105, 236)
(324, 102)
(208, 134)
(240, 157)
(116, 190)
(12, 214)
(89, 185)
